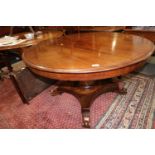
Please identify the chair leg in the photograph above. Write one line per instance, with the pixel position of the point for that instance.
(14, 81)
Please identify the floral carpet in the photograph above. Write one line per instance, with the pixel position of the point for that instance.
(110, 110)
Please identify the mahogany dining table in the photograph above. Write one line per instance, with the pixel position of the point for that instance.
(87, 65)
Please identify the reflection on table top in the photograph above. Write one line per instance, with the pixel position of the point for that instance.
(88, 52)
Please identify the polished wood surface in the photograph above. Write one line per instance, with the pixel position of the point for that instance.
(88, 56)
(85, 59)
(44, 35)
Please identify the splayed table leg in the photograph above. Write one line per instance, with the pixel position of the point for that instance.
(86, 92)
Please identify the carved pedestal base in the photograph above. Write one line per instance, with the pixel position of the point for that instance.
(86, 92)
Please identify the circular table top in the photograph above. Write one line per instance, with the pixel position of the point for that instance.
(43, 35)
(88, 53)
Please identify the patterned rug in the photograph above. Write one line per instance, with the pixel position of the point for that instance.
(110, 110)
(133, 110)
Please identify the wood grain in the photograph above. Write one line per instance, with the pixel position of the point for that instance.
(88, 56)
